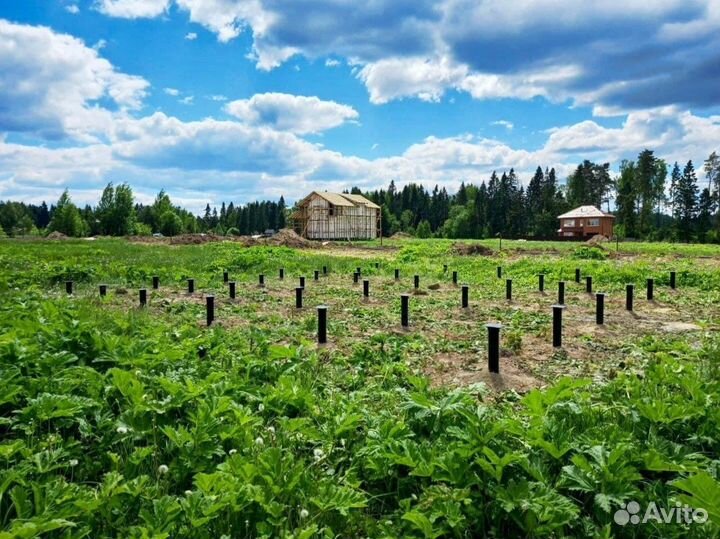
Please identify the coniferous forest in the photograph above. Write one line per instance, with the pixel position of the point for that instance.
(650, 198)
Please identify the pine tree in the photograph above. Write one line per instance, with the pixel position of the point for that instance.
(66, 218)
(626, 199)
(686, 201)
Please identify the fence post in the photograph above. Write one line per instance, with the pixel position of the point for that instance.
(210, 309)
(588, 284)
(599, 309)
(465, 291)
(156, 282)
(281, 274)
(541, 283)
(499, 273)
(561, 293)
(233, 290)
(302, 281)
(577, 275)
(493, 347)
(366, 288)
(143, 297)
(226, 276)
(417, 282)
(191, 286)
(650, 289)
(299, 297)
(103, 289)
(629, 292)
(508, 289)
(261, 280)
(672, 280)
(454, 277)
(557, 325)
(322, 324)
(404, 308)
(397, 274)
(68, 287)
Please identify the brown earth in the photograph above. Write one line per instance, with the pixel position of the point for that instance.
(471, 249)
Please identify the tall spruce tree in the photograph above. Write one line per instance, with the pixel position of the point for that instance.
(685, 202)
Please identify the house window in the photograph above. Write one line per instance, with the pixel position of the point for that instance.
(593, 222)
(569, 222)
(331, 211)
(568, 234)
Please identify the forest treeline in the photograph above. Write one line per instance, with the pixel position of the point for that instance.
(650, 200)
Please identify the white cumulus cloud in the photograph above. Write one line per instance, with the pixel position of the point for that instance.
(133, 9)
(293, 113)
(50, 82)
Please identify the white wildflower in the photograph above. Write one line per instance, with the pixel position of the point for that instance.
(261, 407)
(162, 469)
(259, 441)
(232, 451)
(304, 514)
(188, 493)
(73, 462)
(271, 429)
(122, 430)
(319, 453)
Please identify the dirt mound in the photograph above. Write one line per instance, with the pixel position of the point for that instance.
(195, 239)
(284, 238)
(289, 238)
(471, 249)
(400, 236)
(597, 240)
(56, 236)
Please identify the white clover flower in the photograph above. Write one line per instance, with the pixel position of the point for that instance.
(73, 462)
(319, 453)
(122, 430)
(304, 514)
(162, 469)
(188, 493)
(259, 441)
(232, 451)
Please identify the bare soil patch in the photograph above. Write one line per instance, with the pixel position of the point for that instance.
(468, 249)
(466, 369)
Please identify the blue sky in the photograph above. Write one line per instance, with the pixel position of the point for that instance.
(248, 99)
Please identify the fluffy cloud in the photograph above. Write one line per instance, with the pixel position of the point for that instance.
(191, 36)
(133, 9)
(402, 77)
(621, 55)
(50, 84)
(293, 113)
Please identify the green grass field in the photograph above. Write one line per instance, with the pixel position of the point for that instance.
(122, 421)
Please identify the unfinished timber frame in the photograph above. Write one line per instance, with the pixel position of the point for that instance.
(337, 216)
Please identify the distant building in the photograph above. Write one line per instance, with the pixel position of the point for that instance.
(585, 222)
(336, 216)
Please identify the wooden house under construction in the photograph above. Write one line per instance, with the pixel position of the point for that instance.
(337, 216)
